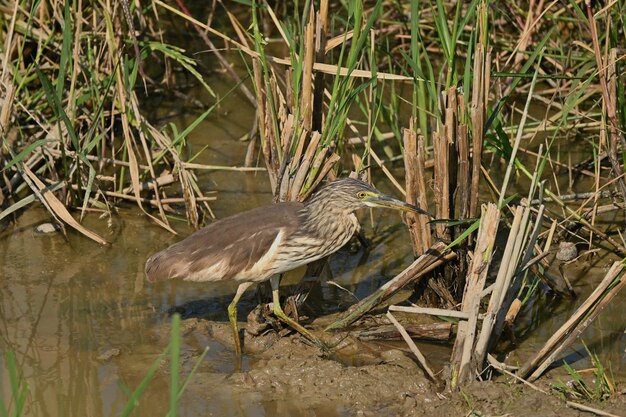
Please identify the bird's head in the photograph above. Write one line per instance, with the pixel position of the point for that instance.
(349, 194)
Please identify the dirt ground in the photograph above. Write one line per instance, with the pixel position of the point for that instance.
(289, 377)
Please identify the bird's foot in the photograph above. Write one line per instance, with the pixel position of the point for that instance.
(315, 341)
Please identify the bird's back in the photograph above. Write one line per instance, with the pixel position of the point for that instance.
(240, 247)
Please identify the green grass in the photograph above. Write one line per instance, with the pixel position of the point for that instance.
(601, 387)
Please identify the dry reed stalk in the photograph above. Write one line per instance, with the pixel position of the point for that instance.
(592, 410)
(464, 364)
(269, 146)
(321, 32)
(414, 172)
(508, 268)
(57, 208)
(608, 83)
(576, 324)
(441, 184)
(453, 119)
(439, 312)
(434, 257)
(6, 107)
(418, 354)
(439, 332)
(306, 162)
(463, 183)
(155, 203)
(421, 200)
(306, 96)
(282, 193)
(478, 114)
(162, 180)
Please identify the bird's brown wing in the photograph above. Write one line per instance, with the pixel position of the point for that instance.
(227, 248)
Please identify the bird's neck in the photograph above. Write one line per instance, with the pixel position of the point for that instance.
(324, 218)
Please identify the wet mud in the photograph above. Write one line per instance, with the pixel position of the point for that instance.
(286, 376)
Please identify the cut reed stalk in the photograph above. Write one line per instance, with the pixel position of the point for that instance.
(487, 338)
(438, 332)
(416, 190)
(464, 363)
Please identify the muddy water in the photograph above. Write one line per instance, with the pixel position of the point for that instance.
(85, 327)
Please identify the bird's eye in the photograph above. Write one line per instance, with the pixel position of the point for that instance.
(361, 194)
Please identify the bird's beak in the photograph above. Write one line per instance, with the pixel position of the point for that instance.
(385, 201)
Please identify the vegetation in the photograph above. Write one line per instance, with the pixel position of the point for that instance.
(444, 90)
(601, 388)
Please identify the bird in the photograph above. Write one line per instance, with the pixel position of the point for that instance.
(261, 244)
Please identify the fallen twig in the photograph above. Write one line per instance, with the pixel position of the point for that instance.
(588, 409)
(412, 346)
(435, 331)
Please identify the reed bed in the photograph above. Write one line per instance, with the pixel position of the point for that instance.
(74, 137)
(477, 102)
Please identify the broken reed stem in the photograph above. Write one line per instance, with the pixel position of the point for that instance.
(464, 363)
(478, 112)
(441, 184)
(55, 207)
(416, 189)
(589, 409)
(439, 312)
(421, 200)
(453, 110)
(434, 257)
(439, 332)
(421, 359)
(463, 183)
(576, 324)
(505, 274)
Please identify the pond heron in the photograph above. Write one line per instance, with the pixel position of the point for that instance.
(263, 243)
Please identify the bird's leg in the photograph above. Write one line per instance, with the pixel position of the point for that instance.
(232, 315)
(278, 312)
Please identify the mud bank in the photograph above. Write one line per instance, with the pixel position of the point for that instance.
(282, 375)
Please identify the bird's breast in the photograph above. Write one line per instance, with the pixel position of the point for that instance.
(304, 247)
